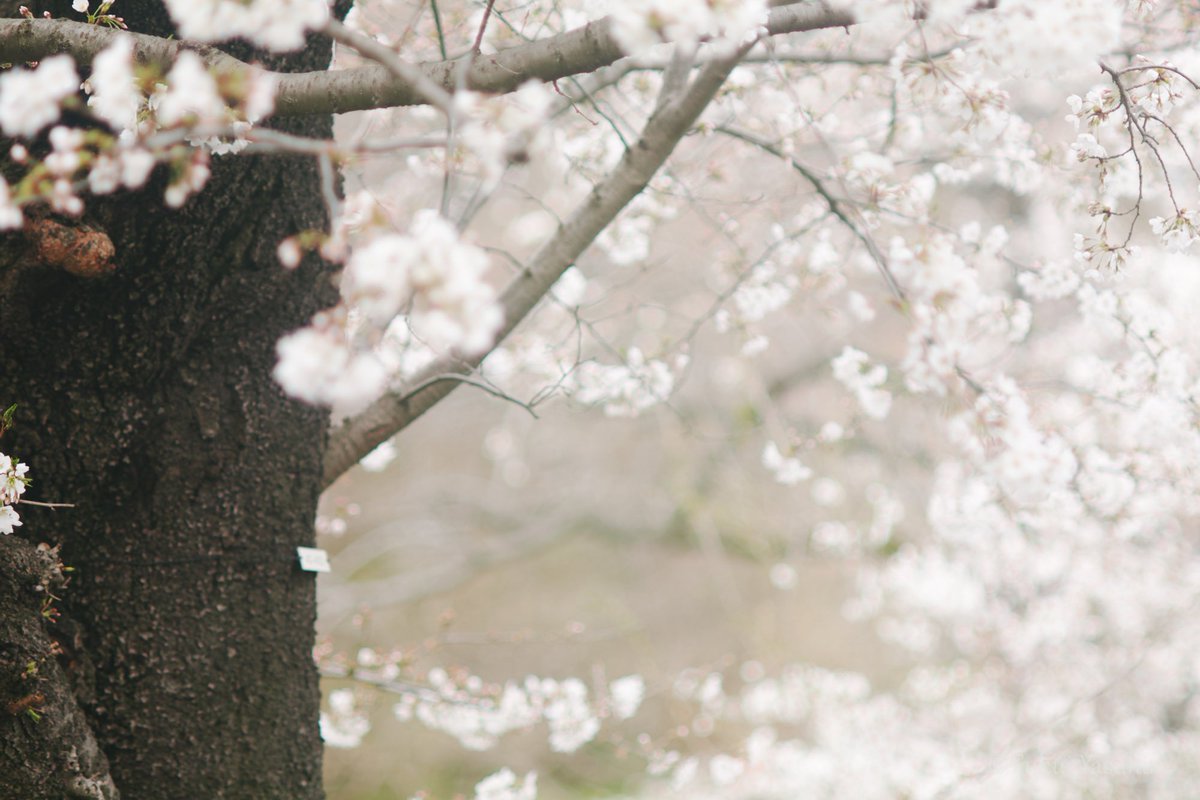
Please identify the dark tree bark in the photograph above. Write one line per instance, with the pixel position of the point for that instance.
(145, 399)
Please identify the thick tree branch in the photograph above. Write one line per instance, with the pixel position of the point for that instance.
(672, 119)
(577, 51)
(24, 40)
(401, 70)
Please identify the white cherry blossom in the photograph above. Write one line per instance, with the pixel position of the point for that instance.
(30, 99)
(274, 24)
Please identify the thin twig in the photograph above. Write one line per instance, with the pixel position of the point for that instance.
(834, 204)
(265, 138)
(487, 13)
(437, 23)
(329, 187)
(1165, 68)
(369, 47)
(467, 379)
(1178, 140)
(1131, 125)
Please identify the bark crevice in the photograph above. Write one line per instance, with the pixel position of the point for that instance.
(47, 748)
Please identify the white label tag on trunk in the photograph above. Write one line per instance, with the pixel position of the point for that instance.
(313, 559)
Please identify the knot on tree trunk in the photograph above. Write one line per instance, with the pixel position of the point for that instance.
(81, 250)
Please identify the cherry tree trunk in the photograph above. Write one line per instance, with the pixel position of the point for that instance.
(181, 664)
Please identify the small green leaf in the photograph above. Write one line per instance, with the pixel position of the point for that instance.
(7, 417)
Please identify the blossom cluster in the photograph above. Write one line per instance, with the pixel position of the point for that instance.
(31, 99)
(477, 715)
(13, 481)
(437, 276)
(1014, 35)
(503, 130)
(853, 369)
(430, 275)
(136, 104)
(641, 25)
(627, 389)
(1155, 100)
(787, 470)
(345, 723)
(761, 292)
(504, 785)
(274, 24)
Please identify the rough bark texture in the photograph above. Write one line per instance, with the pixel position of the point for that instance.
(146, 400)
(46, 746)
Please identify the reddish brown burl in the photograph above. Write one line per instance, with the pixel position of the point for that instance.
(80, 250)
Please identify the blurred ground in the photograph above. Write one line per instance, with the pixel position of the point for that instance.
(586, 569)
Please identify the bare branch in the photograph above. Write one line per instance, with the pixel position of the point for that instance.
(437, 23)
(478, 384)
(487, 13)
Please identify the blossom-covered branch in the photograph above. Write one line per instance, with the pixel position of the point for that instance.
(577, 51)
(393, 412)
